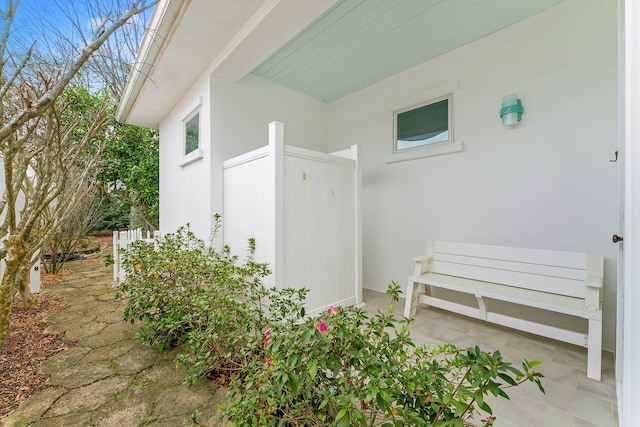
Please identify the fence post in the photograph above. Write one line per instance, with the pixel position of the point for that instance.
(116, 258)
(34, 275)
(123, 243)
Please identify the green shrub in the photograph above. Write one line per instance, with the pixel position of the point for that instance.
(345, 368)
(341, 368)
(181, 289)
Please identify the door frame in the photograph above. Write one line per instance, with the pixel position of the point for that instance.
(629, 391)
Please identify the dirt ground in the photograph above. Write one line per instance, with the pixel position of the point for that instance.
(27, 345)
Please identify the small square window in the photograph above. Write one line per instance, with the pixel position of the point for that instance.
(192, 134)
(423, 125)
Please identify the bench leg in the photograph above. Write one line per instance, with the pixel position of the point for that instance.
(482, 307)
(414, 291)
(594, 354)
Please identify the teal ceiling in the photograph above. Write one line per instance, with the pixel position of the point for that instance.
(359, 42)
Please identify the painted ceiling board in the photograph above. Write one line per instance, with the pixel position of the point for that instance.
(359, 42)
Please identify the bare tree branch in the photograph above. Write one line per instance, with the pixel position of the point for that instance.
(51, 137)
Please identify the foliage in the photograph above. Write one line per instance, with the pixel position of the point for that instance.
(41, 143)
(131, 169)
(113, 213)
(341, 368)
(78, 111)
(180, 289)
(345, 368)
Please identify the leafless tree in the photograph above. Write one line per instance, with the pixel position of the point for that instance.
(71, 237)
(44, 156)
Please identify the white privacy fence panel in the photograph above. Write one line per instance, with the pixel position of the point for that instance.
(121, 240)
(302, 208)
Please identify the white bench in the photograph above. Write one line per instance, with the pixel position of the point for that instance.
(562, 282)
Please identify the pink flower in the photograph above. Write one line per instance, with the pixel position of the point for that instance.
(321, 326)
(490, 420)
(268, 361)
(333, 311)
(267, 336)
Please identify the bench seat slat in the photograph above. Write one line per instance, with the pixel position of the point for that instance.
(536, 256)
(552, 302)
(523, 267)
(547, 284)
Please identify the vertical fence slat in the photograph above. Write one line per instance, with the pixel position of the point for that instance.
(116, 258)
(122, 246)
(121, 241)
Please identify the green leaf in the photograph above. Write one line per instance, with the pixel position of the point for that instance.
(293, 382)
(418, 421)
(313, 369)
(341, 413)
(532, 363)
(507, 378)
(293, 359)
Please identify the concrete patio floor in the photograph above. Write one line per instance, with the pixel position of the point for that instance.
(571, 399)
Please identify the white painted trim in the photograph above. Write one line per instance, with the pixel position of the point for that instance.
(163, 22)
(191, 157)
(197, 153)
(435, 94)
(189, 113)
(631, 285)
(426, 151)
(255, 41)
(276, 157)
(303, 153)
(619, 351)
(450, 136)
(246, 157)
(358, 224)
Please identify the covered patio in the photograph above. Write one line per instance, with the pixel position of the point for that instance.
(344, 72)
(571, 398)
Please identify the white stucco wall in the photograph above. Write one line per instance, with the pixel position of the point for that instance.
(234, 119)
(241, 113)
(185, 190)
(546, 183)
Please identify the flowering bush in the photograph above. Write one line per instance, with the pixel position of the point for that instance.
(347, 369)
(341, 368)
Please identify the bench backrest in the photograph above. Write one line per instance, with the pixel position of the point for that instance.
(556, 272)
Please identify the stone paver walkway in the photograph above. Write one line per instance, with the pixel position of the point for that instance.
(108, 378)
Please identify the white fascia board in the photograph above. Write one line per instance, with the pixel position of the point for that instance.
(163, 22)
(273, 24)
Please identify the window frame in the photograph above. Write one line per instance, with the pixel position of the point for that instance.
(197, 153)
(446, 91)
(448, 97)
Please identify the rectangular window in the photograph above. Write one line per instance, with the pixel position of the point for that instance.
(423, 125)
(192, 134)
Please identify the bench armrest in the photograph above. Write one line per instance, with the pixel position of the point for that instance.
(594, 281)
(423, 264)
(593, 292)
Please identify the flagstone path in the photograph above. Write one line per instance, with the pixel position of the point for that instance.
(109, 378)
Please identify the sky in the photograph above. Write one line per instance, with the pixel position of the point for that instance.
(42, 21)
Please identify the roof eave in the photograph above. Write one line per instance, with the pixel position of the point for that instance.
(163, 22)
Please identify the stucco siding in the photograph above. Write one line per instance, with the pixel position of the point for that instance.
(545, 183)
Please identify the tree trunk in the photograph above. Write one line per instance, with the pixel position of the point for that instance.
(6, 298)
(13, 280)
(8, 288)
(28, 299)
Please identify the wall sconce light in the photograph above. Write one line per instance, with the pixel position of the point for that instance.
(511, 111)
